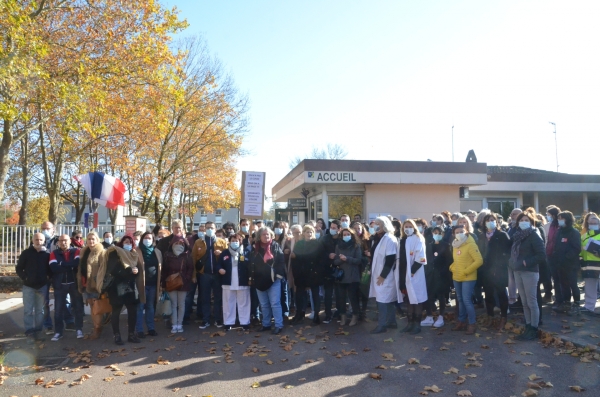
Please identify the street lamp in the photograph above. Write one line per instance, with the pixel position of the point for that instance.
(556, 144)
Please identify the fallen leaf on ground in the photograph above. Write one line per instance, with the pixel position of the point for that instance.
(175, 389)
(255, 370)
(388, 340)
(534, 377)
(288, 387)
(424, 367)
(381, 367)
(269, 362)
(375, 376)
(413, 361)
(453, 370)
(542, 365)
(533, 385)
(529, 392)
(432, 388)
(109, 379)
(464, 393)
(578, 389)
(119, 373)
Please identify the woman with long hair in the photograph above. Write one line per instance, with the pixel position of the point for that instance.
(87, 277)
(348, 258)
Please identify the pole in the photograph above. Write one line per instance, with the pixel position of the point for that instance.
(453, 143)
(555, 144)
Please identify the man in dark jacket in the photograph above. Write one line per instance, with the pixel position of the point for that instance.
(51, 244)
(64, 262)
(329, 242)
(210, 280)
(164, 244)
(34, 270)
(107, 239)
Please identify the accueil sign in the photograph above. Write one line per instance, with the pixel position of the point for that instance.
(317, 176)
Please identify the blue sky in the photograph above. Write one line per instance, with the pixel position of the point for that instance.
(388, 79)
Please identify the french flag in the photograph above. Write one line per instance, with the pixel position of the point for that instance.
(104, 189)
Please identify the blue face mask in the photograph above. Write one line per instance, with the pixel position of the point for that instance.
(278, 231)
(347, 238)
(374, 229)
(245, 229)
(438, 237)
(127, 247)
(235, 245)
(561, 222)
(333, 232)
(524, 225)
(491, 225)
(200, 234)
(210, 232)
(454, 223)
(147, 242)
(345, 224)
(317, 235)
(594, 227)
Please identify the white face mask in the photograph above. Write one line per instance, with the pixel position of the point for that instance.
(491, 225)
(178, 249)
(461, 236)
(43, 248)
(454, 223)
(409, 231)
(333, 232)
(108, 240)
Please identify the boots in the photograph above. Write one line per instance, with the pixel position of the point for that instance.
(343, 319)
(298, 318)
(354, 320)
(471, 329)
(460, 326)
(417, 325)
(97, 321)
(502, 323)
(118, 339)
(487, 323)
(531, 334)
(410, 326)
(522, 335)
(133, 338)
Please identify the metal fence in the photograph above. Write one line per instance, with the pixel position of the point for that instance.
(14, 239)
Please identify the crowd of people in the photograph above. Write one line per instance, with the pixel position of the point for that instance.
(247, 272)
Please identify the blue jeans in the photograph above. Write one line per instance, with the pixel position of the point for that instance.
(270, 305)
(189, 300)
(464, 291)
(34, 301)
(254, 304)
(387, 314)
(285, 298)
(148, 307)
(60, 306)
(208, 283)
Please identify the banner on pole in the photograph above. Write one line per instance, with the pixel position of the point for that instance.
(253, 194)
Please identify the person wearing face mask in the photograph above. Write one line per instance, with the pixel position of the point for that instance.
(329, 242)
(320, 227)
(107, 239)
(33, 269)
(566, 259)
(198, 270)
(178, 261)
(466, 260)
(177, 229)
(411, 283)
(424, 229)
(209, 281)
(267, 269)
(590, 264)
(245, 231)
(87, 275)
(495, 248)
(345, 221)
(121, 276)
(280, 229)
(234, 267)
(437, 276)
(364, 239)
(551, 229)
(527, 252)
(383, 280)
(348, 257)
(152, 259)
(306, 260)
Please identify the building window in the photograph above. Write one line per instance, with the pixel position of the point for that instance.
(202, 213)
(218, 212)
(339, 205)
(502, 207)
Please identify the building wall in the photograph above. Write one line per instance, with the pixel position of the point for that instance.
(411, 201)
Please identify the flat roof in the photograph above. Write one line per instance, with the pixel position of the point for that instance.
(498, 173)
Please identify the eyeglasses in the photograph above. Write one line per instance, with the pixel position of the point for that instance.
(78, 237)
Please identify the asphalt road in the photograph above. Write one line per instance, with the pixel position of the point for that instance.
(318, 361)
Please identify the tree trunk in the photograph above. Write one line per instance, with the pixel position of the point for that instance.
(52, 182)
(7, 140)
(25, 174)
(112, 214)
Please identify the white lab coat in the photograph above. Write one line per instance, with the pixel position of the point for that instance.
(388, 291)
(416, 286)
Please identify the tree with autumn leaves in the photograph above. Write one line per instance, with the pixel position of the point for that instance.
(97, 85)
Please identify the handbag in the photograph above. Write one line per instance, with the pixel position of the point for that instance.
(338, 274)
(101, 305)
(164, 305)
(174, 281)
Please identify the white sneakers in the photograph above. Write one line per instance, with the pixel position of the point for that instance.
(439, 323)
(311, 316)
(428, 322)
(174, 329)
(79, 334)
(180, 328)
(56, 337)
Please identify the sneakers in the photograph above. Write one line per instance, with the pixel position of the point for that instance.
(439, 322)
(175, 328)
(204, 325)
(180, 328)
(327, 319)
(311, 316)
(428, 322)
(70, 327)
(79, 334)
(218, 324)
(152, 333)
(56, 337)
(141, 335)
(574, 310)
(49, 331)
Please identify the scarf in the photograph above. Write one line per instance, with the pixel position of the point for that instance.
(267, 247)
(489, 234)
(77, 243)
(86, 275)
(460, 241)
(517, 239)
(147, 252)
(128, 259)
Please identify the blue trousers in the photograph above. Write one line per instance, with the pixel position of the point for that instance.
(270, 305)
(60, 306)
(466, 309)
(211, 283)
(146, 310)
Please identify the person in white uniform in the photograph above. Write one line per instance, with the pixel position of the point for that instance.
(383, 281)
(233, 266)
(412, 288)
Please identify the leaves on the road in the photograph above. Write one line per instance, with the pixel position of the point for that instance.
(375, 376)
(162, 361)
(529, 393)
(413, 361)
(542, 365)
(109, 379)
(255, 370)
(464, 393)
(534, 377)
(432, 388)
(255, 385)
(390, 340)
(578, 389)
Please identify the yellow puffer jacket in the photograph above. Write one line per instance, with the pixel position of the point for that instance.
(467, 259)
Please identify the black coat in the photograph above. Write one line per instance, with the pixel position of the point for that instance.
(437, 270)
(261, 271)
(495, 260)
(33, 268)
(121, 289)
(225, 262)
(532, 251)
(307, 266)
(329, 244)
(567, 247)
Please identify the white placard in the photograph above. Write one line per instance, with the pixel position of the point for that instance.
(253, 193)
